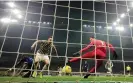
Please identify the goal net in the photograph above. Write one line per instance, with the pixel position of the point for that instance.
(71, 23)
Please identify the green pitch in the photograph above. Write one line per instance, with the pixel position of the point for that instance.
(68, 78)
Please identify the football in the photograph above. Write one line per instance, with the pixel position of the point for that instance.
(66, 69)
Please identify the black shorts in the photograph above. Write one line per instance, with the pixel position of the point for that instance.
(85, 70)
(128, 71)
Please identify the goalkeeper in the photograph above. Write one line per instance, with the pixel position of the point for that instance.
(109, 66)
(42, 54)
(99, 53)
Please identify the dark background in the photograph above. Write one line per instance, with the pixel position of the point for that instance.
(71, 24)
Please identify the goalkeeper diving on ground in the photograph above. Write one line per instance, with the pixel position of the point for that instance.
(98, 53)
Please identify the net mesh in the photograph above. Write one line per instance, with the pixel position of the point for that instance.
(71, 24)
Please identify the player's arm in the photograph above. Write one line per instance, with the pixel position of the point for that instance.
(112, 64)
(84, 49)
(87, 47)
(83, 67)
(55, 49)
(115, 56)
(20, 62)
(106, 65)
(36, 42)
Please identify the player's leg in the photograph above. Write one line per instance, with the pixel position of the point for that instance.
(46, 60)
(29, 72)
(19, 66)
(36, 64)
(22, 68)
(84, 56)
(99, 55)
(92, 70)
(110, 71)
(128, 72)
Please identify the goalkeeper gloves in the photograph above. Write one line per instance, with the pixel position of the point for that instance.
(115, 56)
(77, 53)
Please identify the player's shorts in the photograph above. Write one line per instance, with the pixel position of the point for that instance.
(128, 71)
(110, 69)
(41, 57)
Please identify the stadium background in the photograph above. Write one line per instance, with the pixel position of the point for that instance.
(71, 24)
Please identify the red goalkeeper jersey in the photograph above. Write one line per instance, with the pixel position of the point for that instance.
(98, 44)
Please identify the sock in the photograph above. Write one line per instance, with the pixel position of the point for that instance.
(41, 75)
(44, 67)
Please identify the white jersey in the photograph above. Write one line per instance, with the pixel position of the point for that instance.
(109, 65)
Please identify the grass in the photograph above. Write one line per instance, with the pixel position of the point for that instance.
(67, 78)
